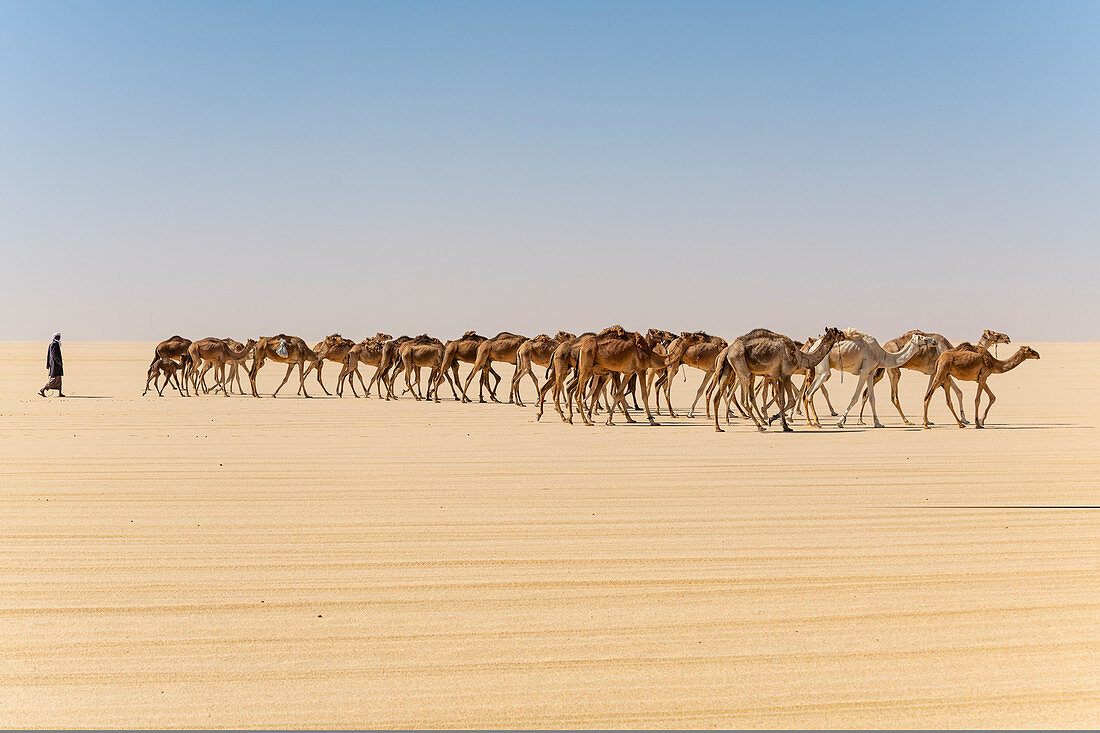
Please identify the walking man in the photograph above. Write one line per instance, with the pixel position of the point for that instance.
(53, 364)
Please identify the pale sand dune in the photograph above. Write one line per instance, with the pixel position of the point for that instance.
(240, 562)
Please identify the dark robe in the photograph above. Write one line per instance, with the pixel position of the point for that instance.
(53, 359)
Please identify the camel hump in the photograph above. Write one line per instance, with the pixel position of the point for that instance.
(615, 330)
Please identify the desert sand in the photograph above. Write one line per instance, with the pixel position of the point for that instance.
(237, 562)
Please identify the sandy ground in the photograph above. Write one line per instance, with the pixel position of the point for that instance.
(240, 562)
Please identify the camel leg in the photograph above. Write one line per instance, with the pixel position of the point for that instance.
(874, 411)
(534, 380)
(707, 385)
(408, 382)
(475, 369)
(485, 382)
(302, 378)
(977, 402)
(748, 397)
(584, 366)
(546, 387)
(645, 402)
(219, 375)
(319, 365)
(811, 407)
(895, 379)
(992, 399)
(356, 373)
(452, 382)
(958, 396)
(151, 377)
(289, 369)
(177, 384)
(858, 393)
(517, 375)
(559, 384)
(933, 384)
(542, 395)
(782, 390)
(720, 379)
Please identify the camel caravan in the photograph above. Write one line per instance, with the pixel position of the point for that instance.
(751, 377)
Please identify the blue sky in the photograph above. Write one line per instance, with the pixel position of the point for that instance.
(245, 168)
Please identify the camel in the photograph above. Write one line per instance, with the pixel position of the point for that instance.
(768, 354)
(174, 348)
(240, 353)
(391, 364)
(425, 351)
(562, 363)
(925, 361)
(972, 365)
(284, 349)
(658, 340)
(235, 363)
(627, 356)
(216, 353)
(334, 348)
(166, 367)
(367, 351)
(388, 361)
(807, 380)
(862, 355)
(538, 350)
(465, 349)
(699, 350)
(502, 347)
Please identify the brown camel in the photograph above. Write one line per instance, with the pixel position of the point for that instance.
(502, 347)
(166, 367)
(284, 349)
(334, 348)
(925, 361)
(658, 340)
(174, 348)
(538, 350)
(216, 353)
(698, 350)
(464, 349)
(235, 363)
(765, 353)
(367, 351)
(562, 364)
(972, 365)
(622, 357)
(392, 364)
(425, 351)
(389, 361)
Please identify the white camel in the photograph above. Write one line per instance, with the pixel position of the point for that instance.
(863, 356)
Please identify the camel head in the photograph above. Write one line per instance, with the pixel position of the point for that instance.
(564, 336)
(468, 334)
(657, 334)
(833, 334)
(995, 337)
(690, 338)
(1029, 353)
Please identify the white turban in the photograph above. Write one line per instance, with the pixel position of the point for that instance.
(56, 335)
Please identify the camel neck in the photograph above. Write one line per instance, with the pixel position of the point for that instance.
(1008, 364)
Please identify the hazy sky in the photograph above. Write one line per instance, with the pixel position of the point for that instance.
(236, 169)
